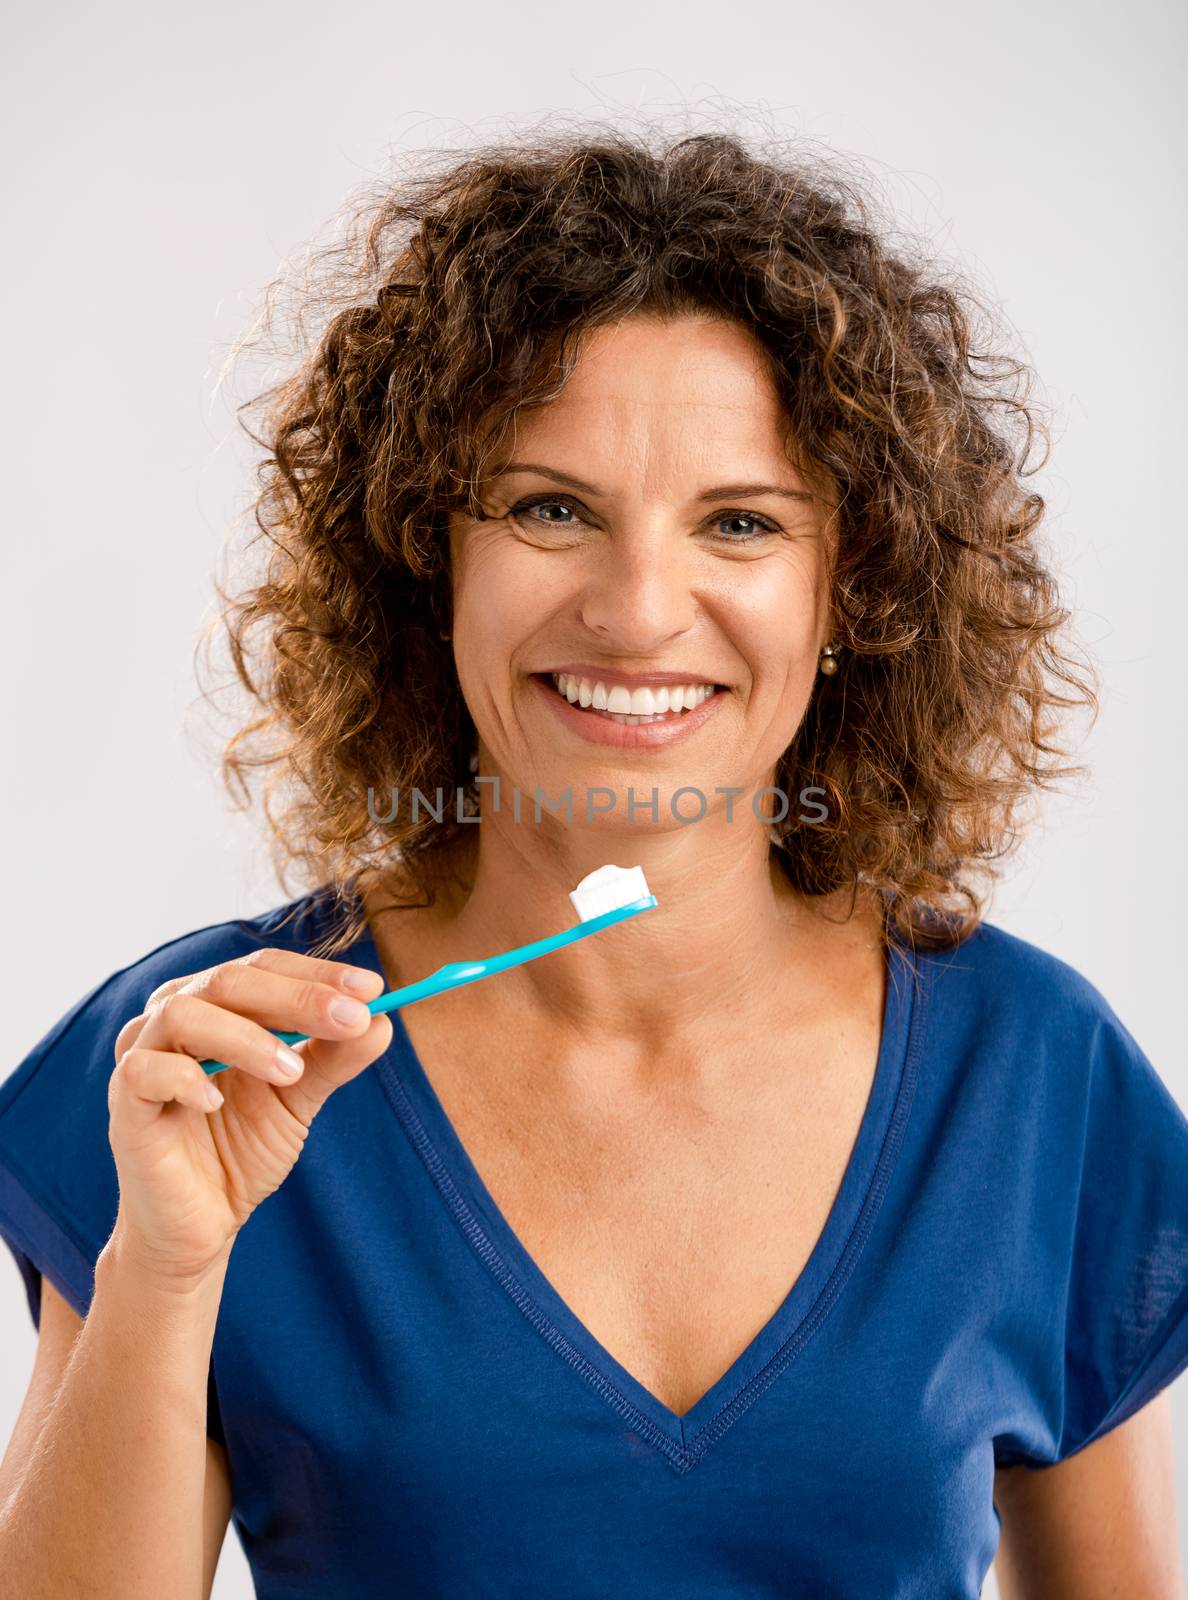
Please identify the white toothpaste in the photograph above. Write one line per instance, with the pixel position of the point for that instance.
(606, 889)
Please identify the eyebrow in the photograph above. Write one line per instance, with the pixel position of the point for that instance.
(721, 491)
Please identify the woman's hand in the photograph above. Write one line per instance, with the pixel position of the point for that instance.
(190, 1175)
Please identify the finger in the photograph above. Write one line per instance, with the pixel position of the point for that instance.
(144, 1081)
(129, 1034)
(186, 1024)
(288, 1002)
(356, 980)
(328, 1065)
(226, 984)
(293, 963)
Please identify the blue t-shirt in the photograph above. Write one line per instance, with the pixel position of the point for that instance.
(408, 1407)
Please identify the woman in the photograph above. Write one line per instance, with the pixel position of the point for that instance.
(799, 1237)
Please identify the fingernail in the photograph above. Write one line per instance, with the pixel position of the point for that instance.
(357, 979)
(289, 1061)
(348, 1012)
(213, 1096)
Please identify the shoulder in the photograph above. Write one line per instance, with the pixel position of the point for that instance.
(1027, 1028)
(995, 973)
(58, 1184)
(85, 1033)
(289, 925)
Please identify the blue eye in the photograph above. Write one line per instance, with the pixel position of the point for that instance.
(763, 526)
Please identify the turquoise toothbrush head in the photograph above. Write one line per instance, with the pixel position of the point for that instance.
(604, 897)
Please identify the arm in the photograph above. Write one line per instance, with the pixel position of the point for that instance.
(104, 1490)
(216, 1512)
(1099, 1524)
(110, 1482)
(60, 1325)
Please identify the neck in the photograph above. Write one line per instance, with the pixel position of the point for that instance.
(728, 930)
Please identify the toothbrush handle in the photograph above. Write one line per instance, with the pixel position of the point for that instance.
(453, 973)
(456, 973)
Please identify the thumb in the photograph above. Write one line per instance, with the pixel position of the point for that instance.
(329, 1063)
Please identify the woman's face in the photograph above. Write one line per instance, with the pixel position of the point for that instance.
(669, 543)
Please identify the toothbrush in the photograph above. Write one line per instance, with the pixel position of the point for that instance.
(603, 897)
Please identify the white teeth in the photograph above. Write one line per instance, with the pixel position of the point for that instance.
(632, 705)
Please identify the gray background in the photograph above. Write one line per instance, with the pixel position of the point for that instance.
(161, 163)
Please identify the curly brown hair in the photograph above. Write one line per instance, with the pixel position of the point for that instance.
(458, 295)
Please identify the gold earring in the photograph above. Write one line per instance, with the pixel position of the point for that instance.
(828, 662)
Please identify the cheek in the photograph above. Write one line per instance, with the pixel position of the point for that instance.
(504, 594)
(777, 616)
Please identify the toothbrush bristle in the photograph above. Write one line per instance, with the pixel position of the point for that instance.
(606, 889)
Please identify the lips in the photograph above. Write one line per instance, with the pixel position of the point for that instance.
(647, 730)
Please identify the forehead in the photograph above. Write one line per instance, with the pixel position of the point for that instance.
(660, 397)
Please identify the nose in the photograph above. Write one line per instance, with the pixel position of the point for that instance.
(638, 594)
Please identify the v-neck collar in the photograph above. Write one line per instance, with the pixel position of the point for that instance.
(683, 1440)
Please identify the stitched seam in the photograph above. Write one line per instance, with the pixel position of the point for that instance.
(493, 1261)
(683, 1457)
(863, 1223)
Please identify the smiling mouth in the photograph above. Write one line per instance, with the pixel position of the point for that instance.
(631, 707)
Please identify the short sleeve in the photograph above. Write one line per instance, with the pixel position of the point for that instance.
(59, 1185)
(1125, 1300)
